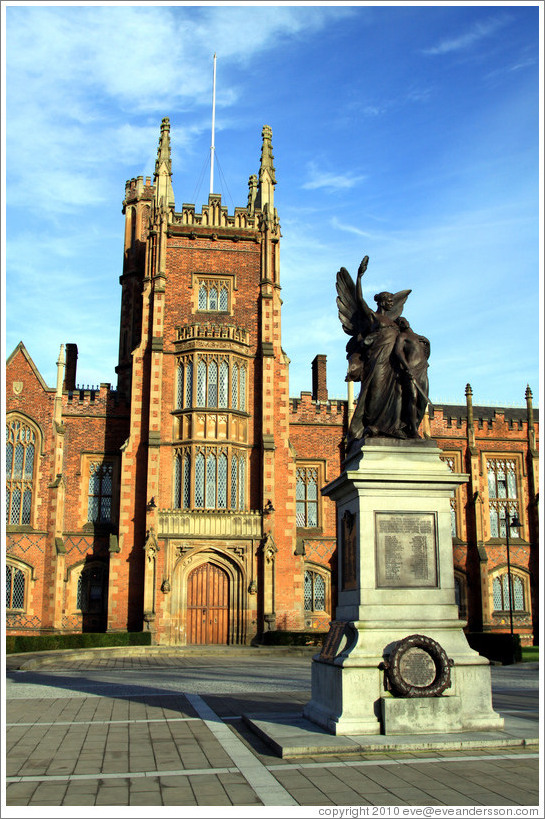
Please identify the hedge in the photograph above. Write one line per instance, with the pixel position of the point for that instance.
(292, 638)
(497, 647)
(19, 643)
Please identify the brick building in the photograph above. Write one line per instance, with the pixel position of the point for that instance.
(187, 501)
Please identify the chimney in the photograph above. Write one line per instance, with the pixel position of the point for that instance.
(319, 378)
(70, 367)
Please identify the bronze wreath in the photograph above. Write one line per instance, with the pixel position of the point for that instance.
(442, 664)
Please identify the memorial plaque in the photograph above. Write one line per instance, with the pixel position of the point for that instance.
(406, 550)
(417, 668)
(330, 648)
(348, 551)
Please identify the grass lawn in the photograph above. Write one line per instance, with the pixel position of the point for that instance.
(530, 654)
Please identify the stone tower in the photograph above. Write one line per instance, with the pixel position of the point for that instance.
(207, 498)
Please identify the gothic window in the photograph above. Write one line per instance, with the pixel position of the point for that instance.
(178, 466)
(212, 383)
(234, 387)
(15, 587)
(306, 496)
(211, 463)
(199, 481)
(241, 481)
(99, 507)
(314, 591)
(503, 496)
(234, 482)
(91, 589)
(216, 484)
(500, 592)
(242, 396)
(201, 383)
(20, 471)
(189, 384)
(223, 384)
(213, 295)
(222, 481)
(211, 479)
(180, 386)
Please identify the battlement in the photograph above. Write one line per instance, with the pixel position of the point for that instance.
(93, 396)
(454, 415)
(136, 189)
(306, 409)
(215, 215)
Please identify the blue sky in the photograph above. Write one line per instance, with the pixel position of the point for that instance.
(406, 133)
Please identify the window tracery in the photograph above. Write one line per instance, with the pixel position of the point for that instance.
(503, 494)
(214, 375)
(203, 480)
(21, 447)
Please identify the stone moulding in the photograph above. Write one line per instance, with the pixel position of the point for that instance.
(193, 523)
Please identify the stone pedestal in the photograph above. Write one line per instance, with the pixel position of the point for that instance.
(396, 579)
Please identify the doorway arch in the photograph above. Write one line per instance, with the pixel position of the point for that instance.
(207, 610)
(209, 584)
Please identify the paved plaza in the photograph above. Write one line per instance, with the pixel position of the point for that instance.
(166, 728)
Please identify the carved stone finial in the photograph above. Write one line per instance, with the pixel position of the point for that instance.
(267, 154)
(252, 192)
(164, 193)
(469, 391)
(528, 394)
(163, 151)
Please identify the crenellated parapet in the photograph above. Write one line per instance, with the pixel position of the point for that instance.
(496, 420)
(137, 189)
(102, 398)
(215, 215)
(307, 410)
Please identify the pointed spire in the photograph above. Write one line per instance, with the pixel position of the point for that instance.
(267, 154)
(163, 153)
(267, 177)
(164, 192)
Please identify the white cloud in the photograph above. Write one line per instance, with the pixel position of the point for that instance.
(477, 32)
(330, 181)
(79, 77)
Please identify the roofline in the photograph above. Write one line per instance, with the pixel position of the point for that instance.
(21, 348)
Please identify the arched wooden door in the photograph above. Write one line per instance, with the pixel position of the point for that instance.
(207, 605)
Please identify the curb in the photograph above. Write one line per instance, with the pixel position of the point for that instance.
(40, 659)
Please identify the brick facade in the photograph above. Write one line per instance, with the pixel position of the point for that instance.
(187, 502)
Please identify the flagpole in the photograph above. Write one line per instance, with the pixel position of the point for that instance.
(212, 148)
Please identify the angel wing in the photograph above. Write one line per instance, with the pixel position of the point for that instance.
(346, 302)
(399, 302)
(355, 317)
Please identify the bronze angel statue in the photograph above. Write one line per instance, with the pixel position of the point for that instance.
(389, 359)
